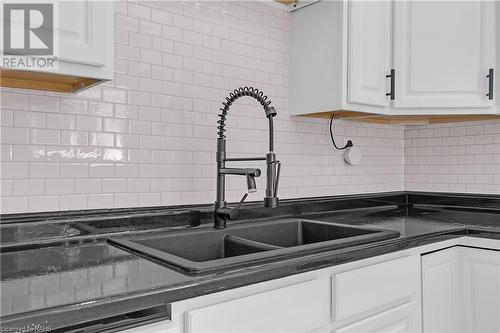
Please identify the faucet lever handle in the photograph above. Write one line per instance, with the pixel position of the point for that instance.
(241, 201)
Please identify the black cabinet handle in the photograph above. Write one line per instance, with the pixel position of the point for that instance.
(491, 79)
(393, 82)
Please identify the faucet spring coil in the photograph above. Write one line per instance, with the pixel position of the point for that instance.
(233, 96)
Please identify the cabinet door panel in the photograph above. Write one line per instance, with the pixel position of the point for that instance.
(368, 51)
(298, 308)
(441, 291)
(83, 31)
(442, 53)
(481, 289)
(402, 319)
(461, 290)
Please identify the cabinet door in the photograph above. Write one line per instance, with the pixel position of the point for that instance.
(402, 319)
(461, 290)
(442, 53)
(369, 45)
(85, 30)
(481, 290)
(303, 307)
(441, 299)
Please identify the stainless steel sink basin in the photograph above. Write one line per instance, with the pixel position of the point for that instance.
(205, 250)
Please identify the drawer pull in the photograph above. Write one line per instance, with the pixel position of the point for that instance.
(491, 79)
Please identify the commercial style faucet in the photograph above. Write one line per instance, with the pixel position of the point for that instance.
(221, 212)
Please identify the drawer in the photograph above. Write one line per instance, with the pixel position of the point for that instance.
(301, 307)
(403, 318)
(369, 287)
(164, 326)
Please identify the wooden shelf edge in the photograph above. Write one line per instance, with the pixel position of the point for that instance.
(400, 119)
(45, 81)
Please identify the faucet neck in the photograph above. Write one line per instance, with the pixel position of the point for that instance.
(220, 158)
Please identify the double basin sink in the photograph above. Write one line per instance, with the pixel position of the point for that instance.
(207, 250)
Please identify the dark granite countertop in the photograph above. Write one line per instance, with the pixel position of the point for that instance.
(58, 271)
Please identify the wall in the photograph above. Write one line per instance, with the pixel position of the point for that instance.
(148, 137)
(461, 157)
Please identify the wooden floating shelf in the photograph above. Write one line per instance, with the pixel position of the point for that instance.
(402, 120)
(44, 81)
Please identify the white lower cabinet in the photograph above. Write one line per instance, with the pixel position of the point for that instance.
(481, 290)
(455, 289)
(384, 294)
(440, 291)
(461, 290)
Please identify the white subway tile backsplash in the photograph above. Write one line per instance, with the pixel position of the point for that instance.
(14, 135)
(74, 138)
(148, 137)
(456, 157)
(15, 204)
(73, 202)
(126, 23)
(28, 153)
(28, 119)
(60, 121)
(14, 170)
(100, 109)
(28, 187)
(60, 186)
(114, 185)
(42, 103)
(101, 170)
(100, 201)
(14, 101)
(43, 203)
(126, 200)
(90, 186)
(138, 10)
(101, 139)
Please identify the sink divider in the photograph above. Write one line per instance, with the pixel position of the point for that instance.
(234, 246)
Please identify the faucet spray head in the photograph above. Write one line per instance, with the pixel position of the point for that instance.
(252, 187)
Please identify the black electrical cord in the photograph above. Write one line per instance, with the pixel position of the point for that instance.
(349, 142)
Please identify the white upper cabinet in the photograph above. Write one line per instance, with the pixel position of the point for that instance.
(340, 56)
(394, 57)
(83, 52)
(86, 38)
(83, 33)
(443, 51)
(369, 52)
